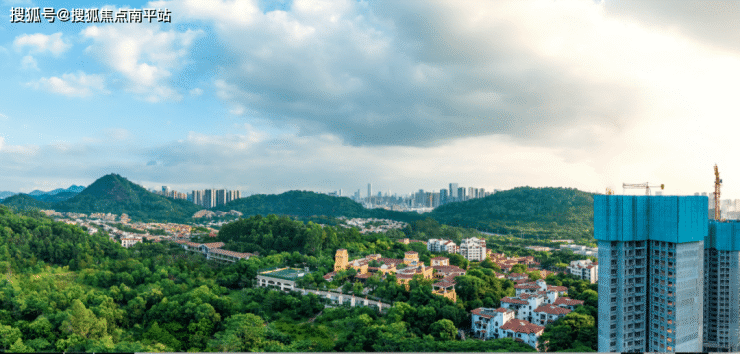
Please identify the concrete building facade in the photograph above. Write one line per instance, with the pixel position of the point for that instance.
(651, 284)
(721, 284)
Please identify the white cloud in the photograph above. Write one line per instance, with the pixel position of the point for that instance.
(3, 117)
(196, 92)
(145, 56)
(40, 43)
(72, 85)
(29, 63)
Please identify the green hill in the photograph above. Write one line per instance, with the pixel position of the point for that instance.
(117, 195)
(55, 198)
(530, 212)
(24, 202)
(308, 204)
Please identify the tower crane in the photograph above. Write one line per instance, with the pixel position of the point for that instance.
(717, 185)
(645, 185)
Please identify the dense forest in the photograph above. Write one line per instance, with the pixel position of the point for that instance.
(24, 202)
(115, 194)
(65, 290)
(549, 213)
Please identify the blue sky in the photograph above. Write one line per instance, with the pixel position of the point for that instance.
(268, 96)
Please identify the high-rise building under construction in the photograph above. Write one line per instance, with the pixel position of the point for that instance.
(651, 279)
(721, 284)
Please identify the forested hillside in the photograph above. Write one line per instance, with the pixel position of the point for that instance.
(548, 213)
(24, 202)
(64, 290)
(117, 195)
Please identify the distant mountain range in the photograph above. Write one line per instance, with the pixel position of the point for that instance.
(73, 189)
(525, 211)
(54, 196)
(4, 195)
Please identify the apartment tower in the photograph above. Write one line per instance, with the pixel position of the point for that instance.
(721, 284)
(651, 278)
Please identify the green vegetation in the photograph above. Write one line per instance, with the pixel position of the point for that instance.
(24, 202)
(547, 213)
(117, 195)
(73, 292)
(55, 198)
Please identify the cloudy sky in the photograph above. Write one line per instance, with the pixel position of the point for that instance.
(268, 96)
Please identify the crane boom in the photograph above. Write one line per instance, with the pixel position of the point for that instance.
(717, 185)
(645, 185)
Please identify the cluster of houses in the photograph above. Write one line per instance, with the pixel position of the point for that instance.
(366, 225)
(403, 269)
(524, 316)
(473, 249)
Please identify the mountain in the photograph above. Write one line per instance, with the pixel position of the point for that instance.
(55, 198)
(24, 202)
(4, 195)
(535, 212)
(115, 194)
(72, 189)
(306, 204)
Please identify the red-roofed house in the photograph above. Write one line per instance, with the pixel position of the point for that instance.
(548, 313)
(522, 330)
(568, 303)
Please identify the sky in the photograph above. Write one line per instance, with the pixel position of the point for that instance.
(270, 96)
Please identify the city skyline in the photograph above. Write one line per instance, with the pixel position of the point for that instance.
(271, 96)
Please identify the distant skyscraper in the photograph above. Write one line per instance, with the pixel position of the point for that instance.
(443, 195)
(369, 191)
(220, 197)
(453, 191)
(461, 194)
(209, 198)
(471, 192)
(198, 197)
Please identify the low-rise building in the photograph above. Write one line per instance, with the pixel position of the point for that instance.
(442, 246)
(488, 323)
(473, 249)
(440, 261)
(548, 313)
(129, 241)
(585, 269)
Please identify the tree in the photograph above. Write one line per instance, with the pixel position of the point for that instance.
(82, 322)
(8, 336)
(518, 268)
(242, 333)
(19, 347)
(443, 330)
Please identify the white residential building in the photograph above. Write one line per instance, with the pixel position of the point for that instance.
(441, 245)
(129, 241)
(473, 249)
(585, 269)
(488, 323)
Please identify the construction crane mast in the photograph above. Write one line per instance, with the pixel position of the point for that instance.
(717, 185)
(645, 185)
